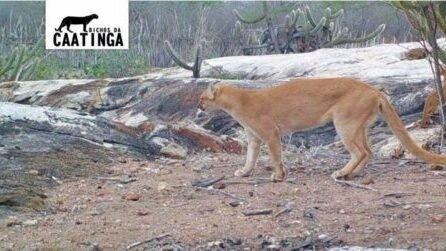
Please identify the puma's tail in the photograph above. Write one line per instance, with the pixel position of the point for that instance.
(401, 133)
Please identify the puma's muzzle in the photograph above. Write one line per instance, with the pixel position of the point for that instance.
(200, 113)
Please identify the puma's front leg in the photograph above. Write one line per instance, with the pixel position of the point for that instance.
(251, 156)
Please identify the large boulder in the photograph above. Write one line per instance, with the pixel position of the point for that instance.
(56, 129)
(170, 95)
(41, 145)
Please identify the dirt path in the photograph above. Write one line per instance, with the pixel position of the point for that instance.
(162, 201)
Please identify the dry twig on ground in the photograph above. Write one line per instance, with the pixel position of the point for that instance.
(257, 212)
(216, 191)
(352, 184)
(139, 243)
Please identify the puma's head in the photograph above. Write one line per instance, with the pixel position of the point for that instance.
(94, 16)
(208, 99)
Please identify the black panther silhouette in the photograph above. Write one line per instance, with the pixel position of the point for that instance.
(67, 21)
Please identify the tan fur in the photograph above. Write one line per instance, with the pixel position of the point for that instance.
(416, 53)
(268, 114)
(431, 102)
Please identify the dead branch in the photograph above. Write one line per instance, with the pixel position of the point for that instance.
(118, 179)
(352, 184)
(139, 243)
(257, 212)
(398, 194)
(288, 208)
(258, 181)
(206, 182)
(216, 191)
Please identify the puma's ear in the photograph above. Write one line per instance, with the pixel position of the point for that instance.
(213, 91)
(443, 69)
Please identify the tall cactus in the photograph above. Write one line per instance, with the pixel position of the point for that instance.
(344, 39)
(266, 14)
(332, 35)
(21, 63)
(195, 67)
(301, 29)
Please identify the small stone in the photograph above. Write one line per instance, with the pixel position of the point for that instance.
(122, 160)
(29, 223)
(342, 211)
(162, 186)
(33, 172)
(201, 167)
(142, 213)
(100, 194)
(132, 197)
(251, 193)
(424, 206)
(95, 213)
(234, 203)
(220, 186)
(368, 181)
(62, 209)
(214, 244)
(78, 222)
(407, 207)
(438, 218)
(274, 247)
(322, 236)
(13, 221)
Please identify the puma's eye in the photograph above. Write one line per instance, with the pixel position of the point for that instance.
(201, 105)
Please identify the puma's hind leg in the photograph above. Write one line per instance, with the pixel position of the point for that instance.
(430, 106)
(362, 142)
(251, 157)
(352, 134)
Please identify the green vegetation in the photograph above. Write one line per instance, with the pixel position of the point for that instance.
(300, 32)
(420, 14)
(184, 24)
(21, 63)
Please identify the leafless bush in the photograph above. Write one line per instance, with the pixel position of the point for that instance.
(185, 24)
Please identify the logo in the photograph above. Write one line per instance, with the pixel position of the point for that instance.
(86, 24)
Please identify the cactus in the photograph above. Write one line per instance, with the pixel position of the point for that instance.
(309, 35)
(195, 67)
(266, 15)
(246, 20)
(343, 39)
(21, 63)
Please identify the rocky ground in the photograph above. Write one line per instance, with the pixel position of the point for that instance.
(101, 164)
(156, 203)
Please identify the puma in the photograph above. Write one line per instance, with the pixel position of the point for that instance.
(267, 114)
(431, 103)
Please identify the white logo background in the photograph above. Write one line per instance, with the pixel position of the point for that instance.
(112, 14)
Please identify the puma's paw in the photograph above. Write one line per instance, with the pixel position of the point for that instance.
(242, 173)
(279, 176)
(337, 174)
